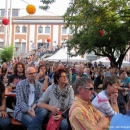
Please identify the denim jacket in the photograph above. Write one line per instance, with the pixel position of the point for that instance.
(22, 97)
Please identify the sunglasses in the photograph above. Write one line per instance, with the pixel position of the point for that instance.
(90, 89)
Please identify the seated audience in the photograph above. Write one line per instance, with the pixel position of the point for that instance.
(28, 92)
(17, 76)
(58, 97)
(121, 102)
(106, 100)
(51, 75)
(80, 73)
(120, 121)
(98, 83)
(125, 82)
(82, 114)
(42, 77)
(5, 123)
(3, 71)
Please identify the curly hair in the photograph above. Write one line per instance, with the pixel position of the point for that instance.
(16, 65)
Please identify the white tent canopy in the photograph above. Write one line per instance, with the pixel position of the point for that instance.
(106, 61)
(62, 56)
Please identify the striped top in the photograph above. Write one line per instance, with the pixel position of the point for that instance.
(101, 102)
(83, 115)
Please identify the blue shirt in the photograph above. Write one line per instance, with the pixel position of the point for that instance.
(74, 77)
(126, 81)
(120, 122)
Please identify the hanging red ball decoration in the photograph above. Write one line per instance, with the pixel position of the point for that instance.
(5, 21)
(101, 33)
(48, 39)
(30, 9)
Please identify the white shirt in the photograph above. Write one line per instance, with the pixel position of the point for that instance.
(31, 95)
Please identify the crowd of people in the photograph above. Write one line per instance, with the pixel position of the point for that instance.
(78, 96)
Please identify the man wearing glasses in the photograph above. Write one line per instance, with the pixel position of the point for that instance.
(82, 114)
(28, 92)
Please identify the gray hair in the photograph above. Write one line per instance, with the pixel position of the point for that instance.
(81, 82)
(110, 80)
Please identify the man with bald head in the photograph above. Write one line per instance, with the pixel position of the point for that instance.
(28, 92)
(80, 73)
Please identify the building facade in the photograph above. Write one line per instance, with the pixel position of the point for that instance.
(28, 31)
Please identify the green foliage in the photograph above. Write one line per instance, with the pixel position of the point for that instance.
(7, 53)
(88, 17)
(46, 4)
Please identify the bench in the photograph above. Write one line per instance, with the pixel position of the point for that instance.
(16, 123)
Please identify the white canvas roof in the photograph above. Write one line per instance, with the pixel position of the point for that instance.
(62, 55)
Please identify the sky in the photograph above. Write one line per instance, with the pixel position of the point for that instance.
(58, 8)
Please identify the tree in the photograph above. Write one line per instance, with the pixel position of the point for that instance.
(46, 4)
(101, 26)
(7, 53)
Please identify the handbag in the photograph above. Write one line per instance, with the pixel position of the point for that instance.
(53, 124)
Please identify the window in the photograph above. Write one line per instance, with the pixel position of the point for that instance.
(15, 12)
(1, 29)
(18, 48)
(23, 47)
(71, 29)
(24, 29)
(17, 29)
(2, 12)
(40, 29)
(1, 44)
(64, 30)
(47, 29)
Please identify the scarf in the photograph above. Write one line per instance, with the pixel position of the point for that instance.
(61, 95)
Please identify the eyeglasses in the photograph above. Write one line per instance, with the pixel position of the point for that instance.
(89, 88)
(31, 73)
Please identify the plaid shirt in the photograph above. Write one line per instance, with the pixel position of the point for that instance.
(22, 96)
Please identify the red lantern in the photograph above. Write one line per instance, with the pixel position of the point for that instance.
(5, 21)
(48, 39)
(101, 33)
